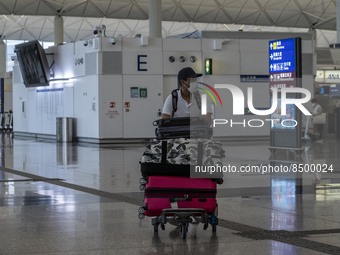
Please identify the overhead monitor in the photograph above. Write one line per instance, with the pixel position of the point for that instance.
(33, 64)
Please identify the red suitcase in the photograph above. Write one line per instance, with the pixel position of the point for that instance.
(165, 192)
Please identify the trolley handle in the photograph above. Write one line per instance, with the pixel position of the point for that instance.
(176, 199)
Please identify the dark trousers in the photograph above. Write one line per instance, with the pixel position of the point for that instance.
(319, 128)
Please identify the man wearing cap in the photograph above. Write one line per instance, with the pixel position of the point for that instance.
(186, 107)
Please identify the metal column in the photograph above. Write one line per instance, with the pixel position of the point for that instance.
(155, 18)
(58, 30)
(337, 21)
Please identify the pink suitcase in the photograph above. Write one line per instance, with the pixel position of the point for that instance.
(170, 195)
(165, 192)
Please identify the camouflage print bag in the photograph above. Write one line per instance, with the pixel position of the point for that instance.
(183, 151)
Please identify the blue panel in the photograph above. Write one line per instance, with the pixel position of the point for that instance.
(282, 55)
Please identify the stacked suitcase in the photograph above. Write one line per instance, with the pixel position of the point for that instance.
(182, 127)
(170, 195)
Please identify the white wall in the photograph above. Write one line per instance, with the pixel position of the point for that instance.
(142, 70)
(99, 97)
(86, 106)
(110, 106)
(181, 48)
(226, 61)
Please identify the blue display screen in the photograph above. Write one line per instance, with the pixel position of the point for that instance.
(282, 55)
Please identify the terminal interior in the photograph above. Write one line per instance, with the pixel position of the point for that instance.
(71, 143)
(84, 199)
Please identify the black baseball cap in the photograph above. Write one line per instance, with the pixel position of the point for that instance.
(187, 72)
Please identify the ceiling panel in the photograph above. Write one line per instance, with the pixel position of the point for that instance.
(278, 5)
(263, 20)
(248, 16)
(7, 6)
(18, 18)
(223, 18)
(233, 3)
(235, 11)
(28, 7)
(292, 6)
(46, 9)
(302, 21)
(207, 15)
(288, 20)
(319, 4)
(118, 10)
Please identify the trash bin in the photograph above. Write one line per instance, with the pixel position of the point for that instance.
(64, 129)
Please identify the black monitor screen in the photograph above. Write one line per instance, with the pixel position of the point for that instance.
(33, 64)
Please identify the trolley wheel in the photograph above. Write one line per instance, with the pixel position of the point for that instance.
(141, 216)
(219, 181)
(141, 210)
(142, 181)
(142, 187)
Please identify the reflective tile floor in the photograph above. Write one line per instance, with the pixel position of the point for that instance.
(83, 199)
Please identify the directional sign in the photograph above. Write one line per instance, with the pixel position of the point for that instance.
(282, 63)
(282, 55)
(285, 71)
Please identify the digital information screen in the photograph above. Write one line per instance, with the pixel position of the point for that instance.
(285, 71)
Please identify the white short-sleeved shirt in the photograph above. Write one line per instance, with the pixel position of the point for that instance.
(317, 110)
(184, 109)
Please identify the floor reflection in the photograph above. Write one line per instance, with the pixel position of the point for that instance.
(49, 218)
(116, 168)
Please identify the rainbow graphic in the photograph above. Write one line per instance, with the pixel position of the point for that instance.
(211, 92)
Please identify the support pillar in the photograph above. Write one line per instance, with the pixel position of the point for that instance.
(58, 30)
(3, 60)
(337, 21)
(155, 18)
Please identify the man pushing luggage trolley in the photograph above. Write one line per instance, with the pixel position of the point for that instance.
(170, 195)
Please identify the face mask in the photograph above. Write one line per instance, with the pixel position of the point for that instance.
(193, 87)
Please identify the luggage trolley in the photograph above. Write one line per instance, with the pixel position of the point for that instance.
(171, 196)
(166, 203)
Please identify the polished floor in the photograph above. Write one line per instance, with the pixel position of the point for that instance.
(83, 199)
